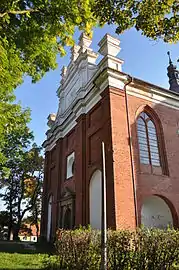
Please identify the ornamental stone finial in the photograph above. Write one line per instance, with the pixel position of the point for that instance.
(51, 119)
(109, 46)
(84, 42)
(63, 74)
(74, 52)
(63, 71)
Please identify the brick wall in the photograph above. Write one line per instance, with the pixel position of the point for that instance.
(107, 122)
(85, 140)
(123, 187)
(148, 184)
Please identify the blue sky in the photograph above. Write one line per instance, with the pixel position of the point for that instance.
(143, 58)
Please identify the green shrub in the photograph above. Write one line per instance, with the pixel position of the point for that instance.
(142, 249)
(78, 249)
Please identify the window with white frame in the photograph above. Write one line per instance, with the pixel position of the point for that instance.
(70, 165)
(148, 141)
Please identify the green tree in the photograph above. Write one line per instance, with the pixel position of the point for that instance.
(34, 213)
(12, 151)
(21, 176)
(13, 120)
(154, 19)
(33, 32)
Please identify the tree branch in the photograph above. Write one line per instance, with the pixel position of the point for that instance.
(18, 12)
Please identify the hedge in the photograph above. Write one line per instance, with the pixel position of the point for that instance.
(135, 250)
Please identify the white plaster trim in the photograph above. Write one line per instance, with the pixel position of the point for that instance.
(70, 161)
(82, 106)
(155, 96)
(49, 147)
(115, 79)
(111, 62)
(64, 131)
(86, 104)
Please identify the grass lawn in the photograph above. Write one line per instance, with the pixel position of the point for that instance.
(16, 255)
(20, 261)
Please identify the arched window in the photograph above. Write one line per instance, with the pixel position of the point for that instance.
(70, 165)
(95, 195)
(151, 150)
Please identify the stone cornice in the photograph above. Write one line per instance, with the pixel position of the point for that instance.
(153, 93)
(137, 87)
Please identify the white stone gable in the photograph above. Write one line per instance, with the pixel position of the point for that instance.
(74, 77)
(82, 83)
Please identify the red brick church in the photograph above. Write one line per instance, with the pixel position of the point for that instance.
(139, 124)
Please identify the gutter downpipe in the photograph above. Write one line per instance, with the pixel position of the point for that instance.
(130, 79)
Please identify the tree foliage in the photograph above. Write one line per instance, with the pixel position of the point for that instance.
(13, 121)
(33, 32)
(21, 176)
(155, 19)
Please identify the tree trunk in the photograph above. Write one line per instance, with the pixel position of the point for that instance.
(16, 231)
(10, 226)
(36, 223)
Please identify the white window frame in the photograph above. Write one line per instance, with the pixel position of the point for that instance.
(69, 167)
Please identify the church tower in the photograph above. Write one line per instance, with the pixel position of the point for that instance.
(173, 75)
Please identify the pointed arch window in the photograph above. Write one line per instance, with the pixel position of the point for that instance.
(150, 149)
